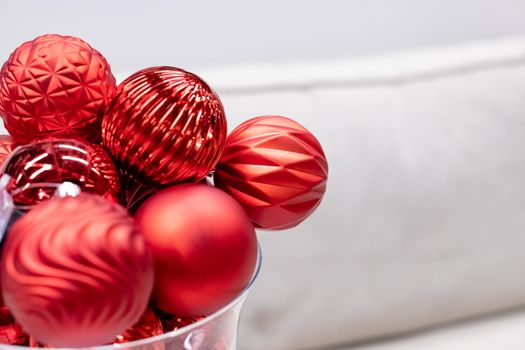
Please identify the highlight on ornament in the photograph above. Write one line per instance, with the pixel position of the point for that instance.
(127, 213)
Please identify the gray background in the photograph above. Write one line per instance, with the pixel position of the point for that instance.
(195, 34)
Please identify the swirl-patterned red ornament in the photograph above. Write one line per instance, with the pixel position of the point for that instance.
(6, 147)
(55, 85)
(37, 169)
(76, 271)
(204, 247)
(165, 125)
(276, 169)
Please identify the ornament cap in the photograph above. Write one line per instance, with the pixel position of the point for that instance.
(67, 189)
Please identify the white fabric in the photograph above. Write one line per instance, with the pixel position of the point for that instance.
(424, 218)
(504, 332)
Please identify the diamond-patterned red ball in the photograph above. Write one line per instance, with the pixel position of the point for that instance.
(55, 85)
(6, 147)
(276, 169)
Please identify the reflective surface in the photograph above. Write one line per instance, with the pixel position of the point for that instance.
(38, 169)
(165, 125)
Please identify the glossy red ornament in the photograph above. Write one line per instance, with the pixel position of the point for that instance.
(148, 326)
(164, 126)
(55, 85)
(37, 169)
(76, 271)
(204, 247)
(137, 193)
(6, 147)
(276, 169)
(11, 332)
(172, 322)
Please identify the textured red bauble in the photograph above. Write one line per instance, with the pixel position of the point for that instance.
(76, 271)
(276, 169)
(147, 326)
(136, 193)
(10, 331)
(37, 169)
(172, 322)
(55, 85)
(164, 126)
(6, 147)
(204, 247)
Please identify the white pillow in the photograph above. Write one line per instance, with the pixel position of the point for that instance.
(424, 218)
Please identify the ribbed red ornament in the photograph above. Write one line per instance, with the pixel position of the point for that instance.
(55, 85)
(6, 147)
(76, 271)
(37, 169)
(276, 169)
(165, 125)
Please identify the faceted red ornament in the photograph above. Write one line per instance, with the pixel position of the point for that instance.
(76, 271)
(6, 147)
(276, 169)
(204, 247)
(148, 326)
(172, 322)
(55, 85)
(164, 126)
(37, 169)
(10, 331)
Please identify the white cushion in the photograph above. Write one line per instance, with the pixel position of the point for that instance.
(424, 218)
(502, 332)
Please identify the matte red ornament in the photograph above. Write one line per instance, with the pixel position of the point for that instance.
(10, 331)
(55, 85)
(204, 247)
(37, 169)
(6, 147)
(276, 169)
(76, 271)
(148, 326)
(165, 125)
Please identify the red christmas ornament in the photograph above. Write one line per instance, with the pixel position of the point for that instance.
(172, 322)
(164, 126)
(6, 147)
(148, 326)
(204, 247)
(10, 331)
(76, 271)
(136, 193)
(55, 85)
(276, 169)
(37, 169)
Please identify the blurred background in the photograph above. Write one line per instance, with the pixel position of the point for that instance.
(420, 107)
(135, 34)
